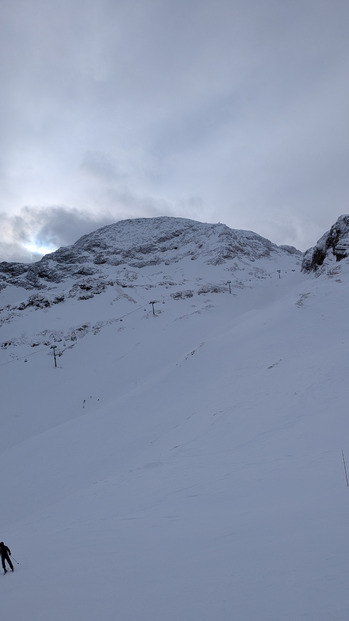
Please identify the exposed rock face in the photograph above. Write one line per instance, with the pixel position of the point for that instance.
(139, 243)
(333, 245)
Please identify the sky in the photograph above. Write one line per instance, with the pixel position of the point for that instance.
(220, 111)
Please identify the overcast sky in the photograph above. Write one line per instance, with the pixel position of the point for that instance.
(232, 111)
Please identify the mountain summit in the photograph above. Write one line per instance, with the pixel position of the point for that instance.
(141, 243)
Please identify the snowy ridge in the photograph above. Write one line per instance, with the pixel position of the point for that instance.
(184, 463)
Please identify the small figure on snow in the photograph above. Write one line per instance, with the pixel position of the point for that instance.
(5, 556)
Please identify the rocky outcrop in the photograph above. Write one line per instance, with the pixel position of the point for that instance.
(333, 245)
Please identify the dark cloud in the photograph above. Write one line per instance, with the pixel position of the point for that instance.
(56, 226)
(49, 227)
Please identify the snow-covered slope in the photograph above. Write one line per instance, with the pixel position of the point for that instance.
(183, 460)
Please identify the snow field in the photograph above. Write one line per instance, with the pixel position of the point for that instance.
(184, 466)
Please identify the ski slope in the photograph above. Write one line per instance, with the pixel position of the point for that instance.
(183, 465)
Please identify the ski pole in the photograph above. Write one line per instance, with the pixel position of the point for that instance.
(14, 559)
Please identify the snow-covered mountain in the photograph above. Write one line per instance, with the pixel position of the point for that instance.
(141, 243)
(136, 261)
(183, 458)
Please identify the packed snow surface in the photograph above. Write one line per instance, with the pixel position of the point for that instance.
(183, 460)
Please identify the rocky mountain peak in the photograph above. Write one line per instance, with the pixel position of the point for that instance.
(140, 243)
(332, 246)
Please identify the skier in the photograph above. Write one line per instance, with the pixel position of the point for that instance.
(5, 556)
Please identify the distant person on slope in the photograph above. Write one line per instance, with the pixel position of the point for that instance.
(5, 556)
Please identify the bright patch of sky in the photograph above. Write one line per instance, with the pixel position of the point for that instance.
(39, 249)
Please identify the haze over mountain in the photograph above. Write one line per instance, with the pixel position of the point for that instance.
(174, 412)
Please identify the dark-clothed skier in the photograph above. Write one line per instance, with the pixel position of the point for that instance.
(5, 556)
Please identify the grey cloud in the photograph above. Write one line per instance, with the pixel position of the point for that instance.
(102, 166)
(133, 108)
(53, 227)
(15, 253)
(128, 204)
(56, 226)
